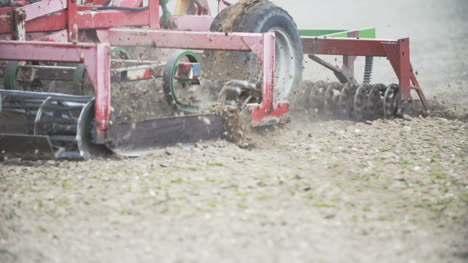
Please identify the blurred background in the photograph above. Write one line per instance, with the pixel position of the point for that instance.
(438, 31)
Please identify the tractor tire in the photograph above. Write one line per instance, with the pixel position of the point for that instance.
(259, 17)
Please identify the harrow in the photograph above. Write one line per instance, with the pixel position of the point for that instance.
(63, 61)
(350, 101)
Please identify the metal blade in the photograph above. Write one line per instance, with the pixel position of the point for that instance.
(157, 133)
(28, 147)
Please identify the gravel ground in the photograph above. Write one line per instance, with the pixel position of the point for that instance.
(387, 191)
(321, 191)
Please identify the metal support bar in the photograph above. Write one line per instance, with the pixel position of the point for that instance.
(184, 40)
(59, 36)
(71, 25)
(337, 71)
(270, 111)
(345, 46)
(153, 15)
(43, 7)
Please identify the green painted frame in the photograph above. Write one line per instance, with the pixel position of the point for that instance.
(369, 33)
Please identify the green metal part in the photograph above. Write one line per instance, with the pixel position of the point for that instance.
(317, 32)
(78, 77)
(121, 52)
(363, 33)
(166, 14)
(172, 67)
(11, 70)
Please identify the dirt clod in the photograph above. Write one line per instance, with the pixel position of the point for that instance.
(234, 14)
(236, 128)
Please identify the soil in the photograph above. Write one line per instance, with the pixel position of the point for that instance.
(312, 190)
(126, 98)
(234, 14)
(237, 129)
(387, 191)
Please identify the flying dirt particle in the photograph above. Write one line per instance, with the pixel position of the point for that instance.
(236, 128)
(169, 151)
(206, 121)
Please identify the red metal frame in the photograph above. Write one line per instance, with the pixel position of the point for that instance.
(96, 58)
(65, 18)
(397, 52)
(262, 45)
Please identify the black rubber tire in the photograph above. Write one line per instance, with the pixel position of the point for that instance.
(260, 17)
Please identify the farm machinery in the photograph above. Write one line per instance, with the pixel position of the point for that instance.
(72, 68)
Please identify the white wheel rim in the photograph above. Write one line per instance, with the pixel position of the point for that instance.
(285, 64)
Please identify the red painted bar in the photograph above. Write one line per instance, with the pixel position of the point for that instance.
(87, 19)
(345, 46)
(185, 40)
(57, 21)
(268, 58)
(59, 36)
(71, 23)
(153, 7)
(44, 51)
(43, 7)
(111, 18)
(102, 85)
(129, 3)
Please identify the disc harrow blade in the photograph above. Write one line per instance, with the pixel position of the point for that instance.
(332, 97)
(316, 98)
(346, 101)
(349, 101)
(390, 101)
